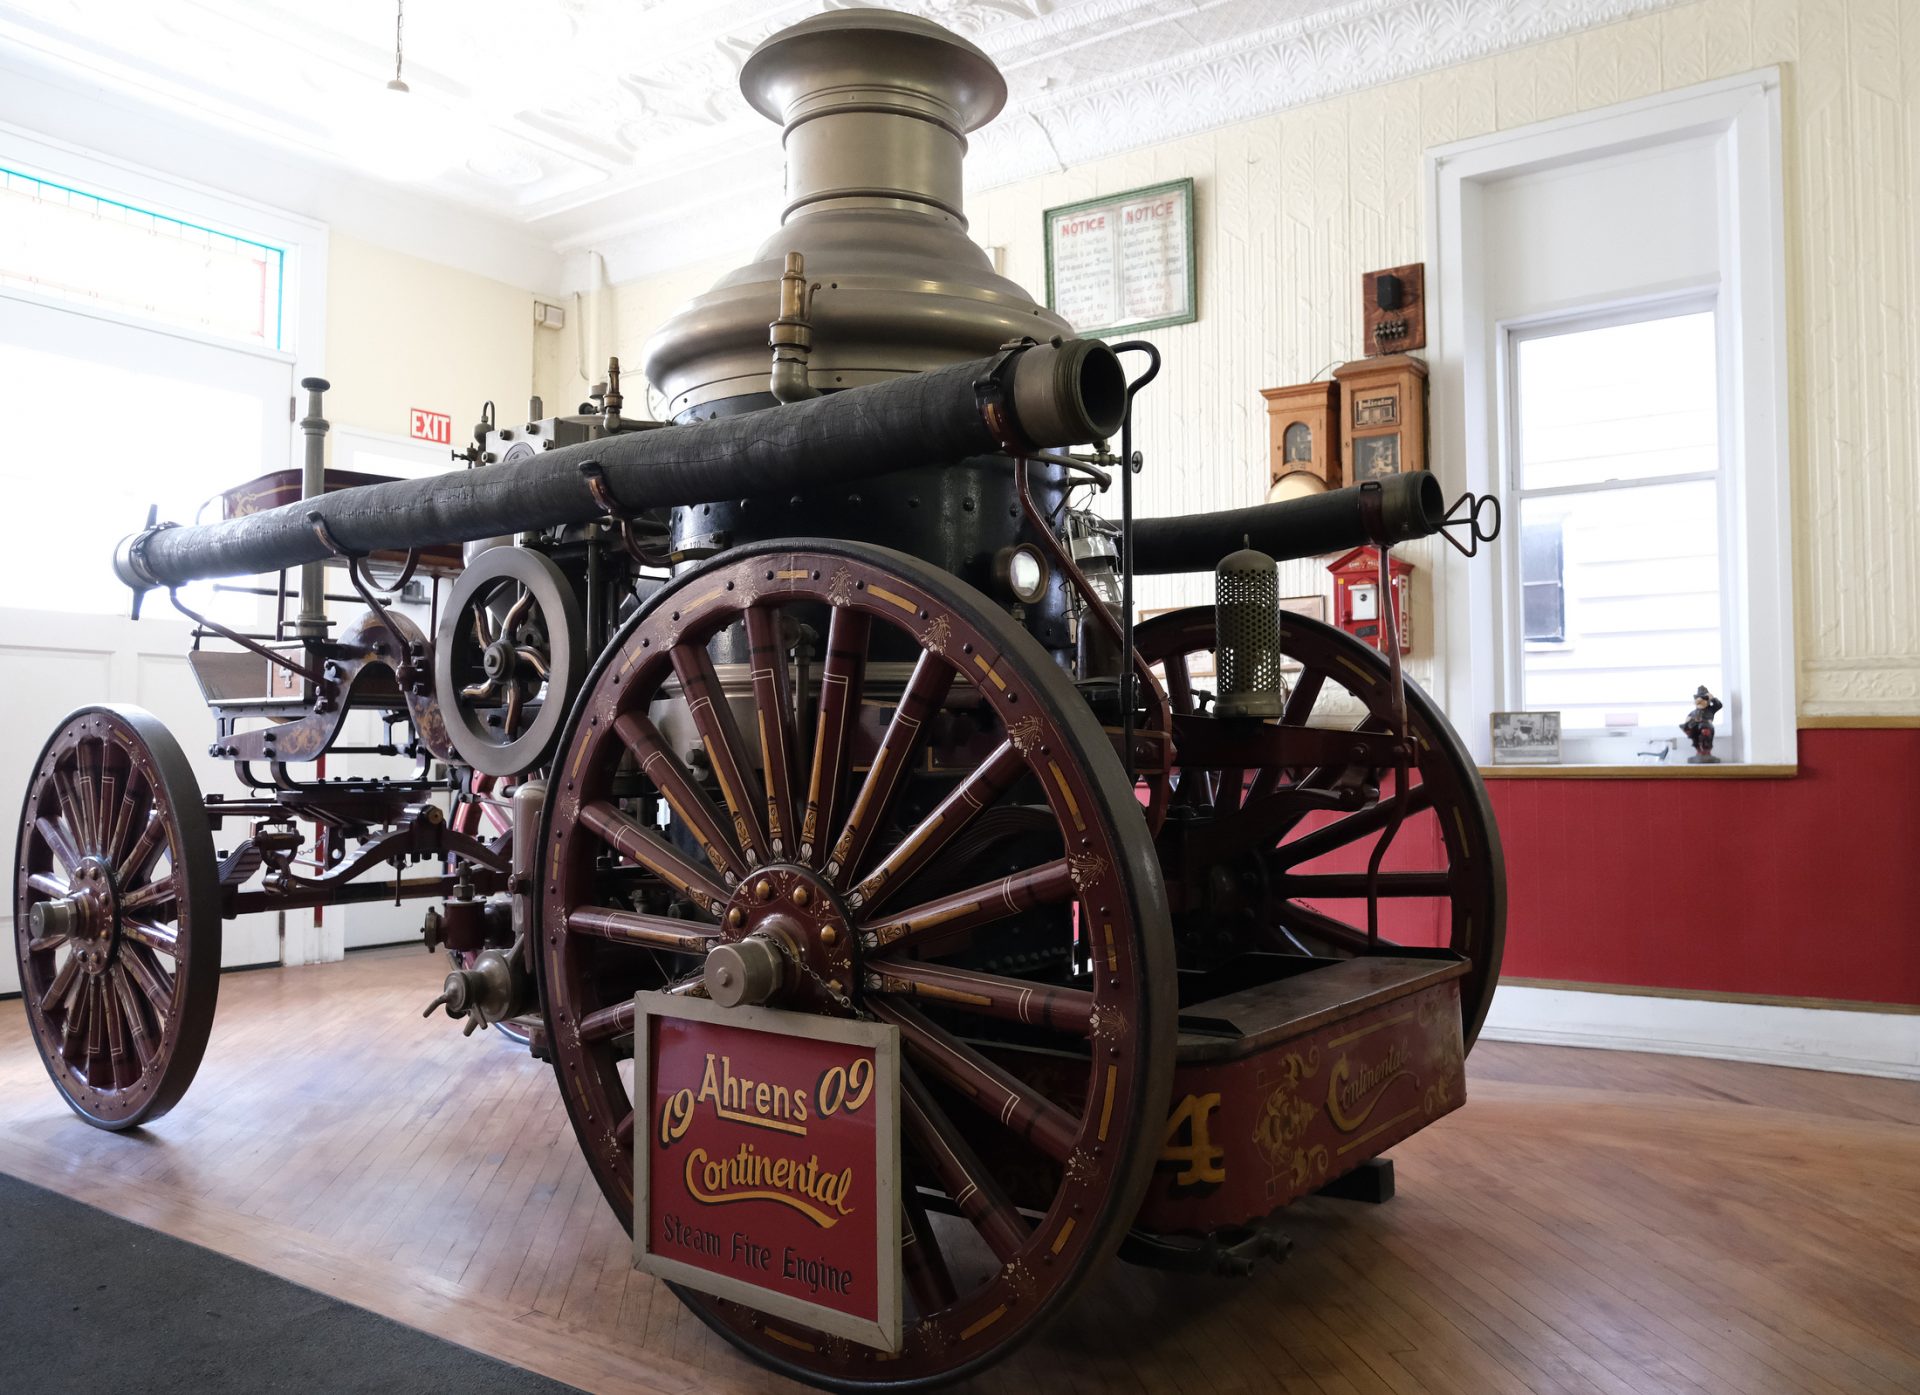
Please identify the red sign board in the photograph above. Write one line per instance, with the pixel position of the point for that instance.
(769, 1172)
(430, 426)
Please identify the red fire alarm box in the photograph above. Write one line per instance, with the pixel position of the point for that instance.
(1356, 596)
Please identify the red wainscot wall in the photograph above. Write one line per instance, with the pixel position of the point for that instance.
(1806, 887)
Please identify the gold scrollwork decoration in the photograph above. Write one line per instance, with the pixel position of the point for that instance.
(1283, 1122)
(938, 634)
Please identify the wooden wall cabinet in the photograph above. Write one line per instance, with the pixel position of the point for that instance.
(1383, 417)
(1303, 432)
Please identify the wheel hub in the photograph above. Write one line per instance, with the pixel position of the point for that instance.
(498, 661)
(88, 916)
(787, 942)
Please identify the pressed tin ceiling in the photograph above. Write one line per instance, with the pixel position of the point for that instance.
(581, 121)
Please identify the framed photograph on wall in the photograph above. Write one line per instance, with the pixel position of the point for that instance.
(1313, 608)
(1526, 738)
(1124, 262)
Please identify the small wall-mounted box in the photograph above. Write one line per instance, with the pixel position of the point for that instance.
(548, 315)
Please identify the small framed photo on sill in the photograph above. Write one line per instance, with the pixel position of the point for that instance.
(1526, 738)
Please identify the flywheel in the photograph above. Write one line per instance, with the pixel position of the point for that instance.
(508, 659)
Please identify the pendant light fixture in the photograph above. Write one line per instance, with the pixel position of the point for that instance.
(399, 84)
(402, 135)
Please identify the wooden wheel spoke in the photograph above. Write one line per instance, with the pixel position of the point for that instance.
(687, 800)
(989, 995)
(939, 828)
(75, 1030)
(96, 1026)
(1344, 884)
(842, 679)
(1349, 829)
(608, 1022)
(925, 691)
(161, 891)
(720, 735)
(116, 1031)
(140, 857)
(152, 936)
(49, 885)
(54, 835)
(106, 806)
(90, 773)
(774, 720)
(1180, 684)
(63, 983)
(153, 981)
(75, 809)
(645, 931)
(1016, 1105)
(653, 852)
(976, 906)
(124, 820)
(970, 1186)
(623, 1131)
(1300, 701)
(143, 1046)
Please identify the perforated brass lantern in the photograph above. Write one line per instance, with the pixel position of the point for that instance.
(1246, 587)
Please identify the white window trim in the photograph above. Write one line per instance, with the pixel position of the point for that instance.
(304, 239)
(1467, 395)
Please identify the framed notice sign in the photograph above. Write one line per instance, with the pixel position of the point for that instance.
(769, 1170)
(1124, 262)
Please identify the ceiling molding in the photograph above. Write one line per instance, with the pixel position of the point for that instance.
(617, 125)
(1090, 115)
(102, 122)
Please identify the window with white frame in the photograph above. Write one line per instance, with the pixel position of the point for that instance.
(171, 314)
(1609, 360)
(101, 252)
(1613, 501)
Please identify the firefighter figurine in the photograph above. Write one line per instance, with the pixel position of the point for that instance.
(1699, 727)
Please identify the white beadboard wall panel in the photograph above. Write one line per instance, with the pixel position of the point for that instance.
(1294, 207)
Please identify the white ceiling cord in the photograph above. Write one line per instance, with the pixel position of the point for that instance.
(399, 14)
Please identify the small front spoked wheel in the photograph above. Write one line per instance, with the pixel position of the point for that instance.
(117, 916)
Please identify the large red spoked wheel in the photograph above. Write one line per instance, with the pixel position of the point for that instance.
(117, 916)
(1275, 856)
(1006, 915)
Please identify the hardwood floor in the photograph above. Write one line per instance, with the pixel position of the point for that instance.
(1592, 1223)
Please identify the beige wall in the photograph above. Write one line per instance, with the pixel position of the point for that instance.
(405, 333)
(1294, 208)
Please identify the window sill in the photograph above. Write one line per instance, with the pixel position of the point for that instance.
(1728, 770)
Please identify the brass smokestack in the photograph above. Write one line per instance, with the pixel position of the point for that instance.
(876, 107)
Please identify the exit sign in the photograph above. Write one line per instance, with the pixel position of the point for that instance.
(431, 426)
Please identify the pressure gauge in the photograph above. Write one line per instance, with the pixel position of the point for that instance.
(1022, 572)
